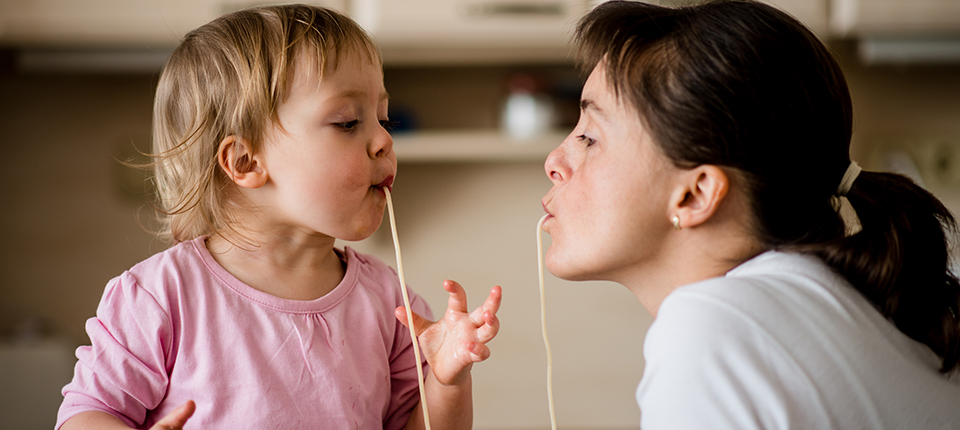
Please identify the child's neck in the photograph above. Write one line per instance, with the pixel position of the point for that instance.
(288, 268)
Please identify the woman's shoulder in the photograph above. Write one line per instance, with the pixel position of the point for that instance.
(739, 334)
(788, 324)
(773, 297)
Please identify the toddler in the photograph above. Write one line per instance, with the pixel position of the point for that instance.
(271, 137)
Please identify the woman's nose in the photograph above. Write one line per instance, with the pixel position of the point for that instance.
(556, 166)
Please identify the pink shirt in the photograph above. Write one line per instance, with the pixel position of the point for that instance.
(178, 327)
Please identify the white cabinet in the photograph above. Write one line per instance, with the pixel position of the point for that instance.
(111, 23)
(469, 23)
(523, 30)
(895, 17)
(99, 23)
(423, 31)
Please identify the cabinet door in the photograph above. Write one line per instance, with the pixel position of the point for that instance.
(894, 17)
(470, 23)
(111, 23)
(100, 22)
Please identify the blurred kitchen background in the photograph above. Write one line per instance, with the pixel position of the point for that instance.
(484, 90)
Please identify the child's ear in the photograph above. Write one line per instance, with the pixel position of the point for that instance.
(702, 190)
(237, 159)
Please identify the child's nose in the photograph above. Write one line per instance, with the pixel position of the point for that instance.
(382, 144)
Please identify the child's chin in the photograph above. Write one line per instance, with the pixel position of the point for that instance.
(359, 235)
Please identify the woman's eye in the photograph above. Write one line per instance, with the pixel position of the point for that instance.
(389, 125)
(348, 126)
(583, 138)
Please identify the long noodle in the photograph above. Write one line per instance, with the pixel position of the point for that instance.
(543, 325)
(406, 303)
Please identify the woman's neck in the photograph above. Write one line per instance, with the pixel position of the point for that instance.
(683, 267)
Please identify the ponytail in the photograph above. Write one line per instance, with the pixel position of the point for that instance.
(900, 260)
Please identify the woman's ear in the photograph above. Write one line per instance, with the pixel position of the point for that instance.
(702, 190)
(237, 159)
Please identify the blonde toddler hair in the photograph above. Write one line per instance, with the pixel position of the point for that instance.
(227, 78)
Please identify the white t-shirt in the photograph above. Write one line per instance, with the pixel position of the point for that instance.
(783, 341)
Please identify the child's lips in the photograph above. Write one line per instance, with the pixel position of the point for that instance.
(386, 183)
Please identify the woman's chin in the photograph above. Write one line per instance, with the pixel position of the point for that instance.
(567, 271)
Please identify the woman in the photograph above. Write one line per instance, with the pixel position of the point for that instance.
(706, 175)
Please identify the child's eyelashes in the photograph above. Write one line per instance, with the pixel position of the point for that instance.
(348, 126)
(584, 139)
(389, 125)
(353, 125)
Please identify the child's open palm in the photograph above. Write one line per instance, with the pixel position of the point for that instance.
(452, 344)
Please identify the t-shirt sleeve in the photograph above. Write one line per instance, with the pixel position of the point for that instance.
(123, 372)
(709, 366)
(405, 388)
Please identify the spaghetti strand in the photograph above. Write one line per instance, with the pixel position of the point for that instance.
(406, 304)
(543, 324)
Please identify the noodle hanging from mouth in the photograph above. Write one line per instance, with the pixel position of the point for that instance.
(543, 324)
(406, 304)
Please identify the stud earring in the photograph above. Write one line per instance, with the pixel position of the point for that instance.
(676, 222)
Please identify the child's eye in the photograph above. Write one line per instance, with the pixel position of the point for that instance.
(389, 125)
(348, 126)
(583, 138)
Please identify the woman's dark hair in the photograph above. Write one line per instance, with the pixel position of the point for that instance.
(740, 84)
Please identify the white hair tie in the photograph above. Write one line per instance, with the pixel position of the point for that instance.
(853, 170)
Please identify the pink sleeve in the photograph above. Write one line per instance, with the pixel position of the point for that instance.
(124, 371)
(405, 390)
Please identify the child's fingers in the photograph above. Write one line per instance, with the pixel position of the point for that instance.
(479, 352)
(419, 323)
(492, 304)
(458, 296)
(490, 328)
(176, 419)
(493, 300)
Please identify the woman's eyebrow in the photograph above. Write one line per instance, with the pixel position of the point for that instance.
(587, 105)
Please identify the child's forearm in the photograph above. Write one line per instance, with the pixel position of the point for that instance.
(450, 406)
(94, 420)
(102, 420)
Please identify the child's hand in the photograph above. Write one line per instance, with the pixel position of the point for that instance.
(176, 419)
(452, 344)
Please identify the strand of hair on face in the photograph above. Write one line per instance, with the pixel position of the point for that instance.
(406, 304)
(543, 324)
